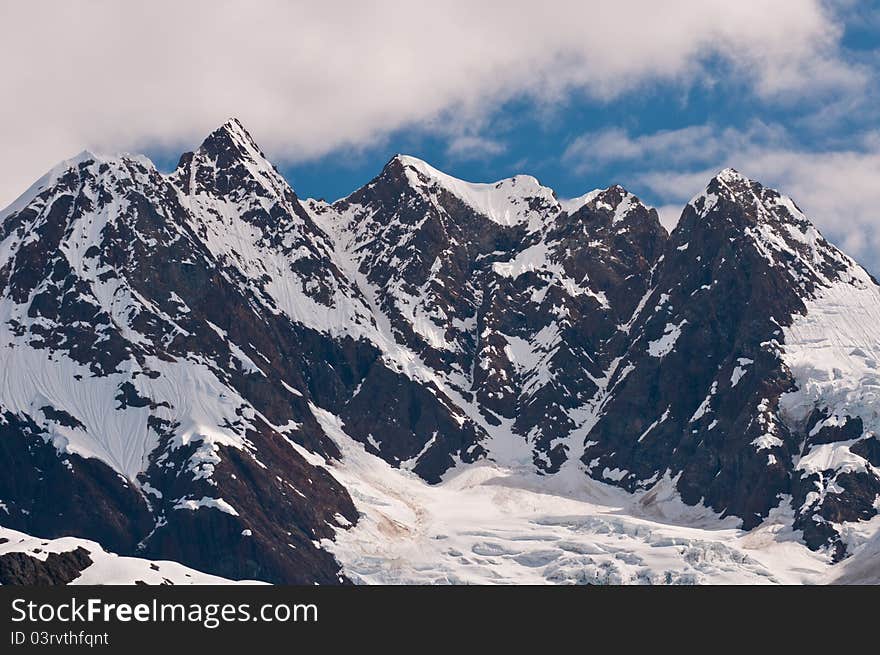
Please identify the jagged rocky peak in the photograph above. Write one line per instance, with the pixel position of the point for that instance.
(732, 196)
(230, 189)
(229, 138)
(228, 144)
(764, 222)
(613, 239)
(230, 164)
(69, 207)
(166, 365)
(69, 175)
(608, 199)
(612, 207)
(742, 324)
(516, 201)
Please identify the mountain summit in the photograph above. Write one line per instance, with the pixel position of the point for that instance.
(203, 367)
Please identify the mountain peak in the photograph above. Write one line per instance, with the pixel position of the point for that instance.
(430, 171)
(202, 354)
(615, 203)
(731, 175)
(524, 181)
(232, 140)
(227, 159)
(415, 162)
(510, 201)
(736, 209)
(615, 193)
(732, 186)
(85, 158)
(235, 130)
(233, 124)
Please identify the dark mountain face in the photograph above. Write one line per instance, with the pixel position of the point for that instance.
(509, 295)
(549, 324)
(166, 342)
(674, 405)
(122, 332)
(702, 392)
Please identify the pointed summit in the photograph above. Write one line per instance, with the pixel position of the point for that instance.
(613, 208)
(748, 202)
(758, 222)
(613, 198)
(234, 126)
(733, 196)
(229, 163)
(731, 175)
(231, 137)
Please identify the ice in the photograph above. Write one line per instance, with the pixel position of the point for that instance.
(654, 424)
(706, 406)
(831, 351)
(740, 370)
(538, 258)
(496, 521)
(489, 524)
(664, 345)
(571, 205)
(204, 501)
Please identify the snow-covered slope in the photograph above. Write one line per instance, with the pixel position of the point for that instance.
(99, 566)
(519, 200)
(252, 222)
(146, 373)
(833, 353)
(727, 377)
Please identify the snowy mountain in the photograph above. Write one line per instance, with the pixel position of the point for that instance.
(204, 368)
(30, 561)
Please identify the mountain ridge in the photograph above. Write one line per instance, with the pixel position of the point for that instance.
(171, 335)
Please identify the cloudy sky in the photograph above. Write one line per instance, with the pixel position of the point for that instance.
(656, 96)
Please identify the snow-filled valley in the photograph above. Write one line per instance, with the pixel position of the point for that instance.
(489, 524)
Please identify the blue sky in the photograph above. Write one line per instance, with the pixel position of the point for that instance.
(580, 93)
(519, 139)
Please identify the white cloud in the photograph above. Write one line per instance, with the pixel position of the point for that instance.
(308, 78)
(689, 145)
(473, 147)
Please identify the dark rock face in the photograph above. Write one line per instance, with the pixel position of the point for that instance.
(406, 423)
(698, 394)
(57, 569)
(608, 249)
(513, 298)
(69, 495)
(119, 281)
(835, 495)
(170, 339)
(668, 361)
(673, 405)
(421, 250)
